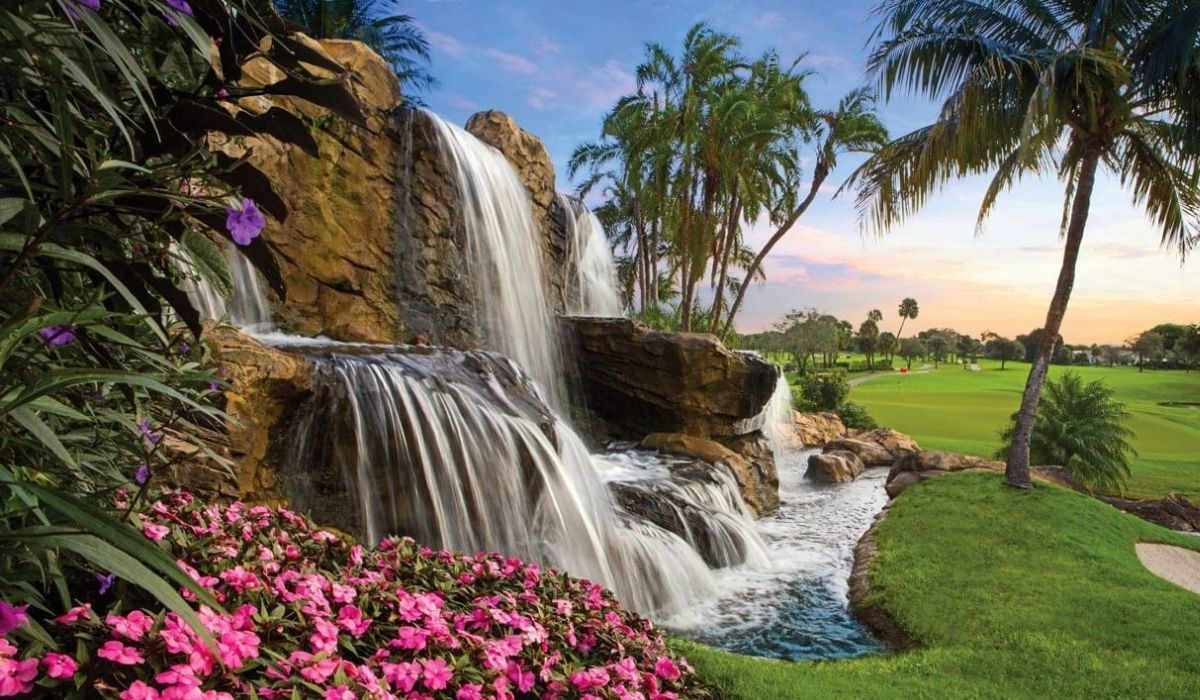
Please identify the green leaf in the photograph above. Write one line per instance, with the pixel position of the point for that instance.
(209, 261)
(130, 569)
(29, 420)
(10, 207)
(118, 535)
(54, 380)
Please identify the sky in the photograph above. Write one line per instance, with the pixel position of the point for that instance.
(557, 67)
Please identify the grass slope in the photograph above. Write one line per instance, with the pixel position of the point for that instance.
(1034, 594)
(960, 411)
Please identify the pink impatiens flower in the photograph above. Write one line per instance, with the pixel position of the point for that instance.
(436, 673)
(155, 532)
(16, 677)
(59, 666)
(120, 653)
(11, 617)
(666, 669)
(138, 690)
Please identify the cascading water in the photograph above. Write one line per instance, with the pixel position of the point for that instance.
(592, 269)
(778, 425)
(457, 450)
(248, 308)
(505, 259)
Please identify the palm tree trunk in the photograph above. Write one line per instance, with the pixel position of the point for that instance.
(726, 256)
(819, 175)
(900, 333)
(1016, 471)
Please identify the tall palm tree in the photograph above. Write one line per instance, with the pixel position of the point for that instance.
(376, 23)
(1035, 86)
(852, 127)
(908, 309)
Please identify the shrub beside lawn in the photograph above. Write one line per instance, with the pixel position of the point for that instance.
(1012, 594)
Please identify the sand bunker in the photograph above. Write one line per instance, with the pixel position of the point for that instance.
(1176, 564)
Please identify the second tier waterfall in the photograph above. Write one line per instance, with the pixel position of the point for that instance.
(591, 269)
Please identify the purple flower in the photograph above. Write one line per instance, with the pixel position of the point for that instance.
(152, 437)
(142, 475)
(184, 347)
(106, 582)
(93, 5)
(222, 94)
(246, 223)
(214, 386)
(57, 335)
(177, 6)
(11, 617)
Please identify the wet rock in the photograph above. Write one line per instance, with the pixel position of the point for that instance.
(894, 441)
(816, 429)
(758, 484)
(764, 475)
(643, 381)
(871, 454)
(698, 527)
(837, 467)
(265, 385)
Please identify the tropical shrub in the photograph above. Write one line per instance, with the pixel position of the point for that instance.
(111, 199)
(307, 613)
(1082, 427)
(856, 417)
(822, 392)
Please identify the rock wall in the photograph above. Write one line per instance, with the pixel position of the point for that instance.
(642, 381)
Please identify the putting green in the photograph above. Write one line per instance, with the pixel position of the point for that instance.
(963, 411)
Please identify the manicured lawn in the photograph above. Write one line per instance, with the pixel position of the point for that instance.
(953, 409)
(1034, 594)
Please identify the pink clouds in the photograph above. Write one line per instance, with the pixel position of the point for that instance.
(512, 62)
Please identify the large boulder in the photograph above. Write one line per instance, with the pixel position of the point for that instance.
(1174, 511)
(642, 381)
(816, 429)
(871, 454)
(894, 441)
(265, 386)
(837, 467)
(756, 478)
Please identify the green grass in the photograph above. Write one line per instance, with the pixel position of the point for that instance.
(960, 411)
(1035, 594)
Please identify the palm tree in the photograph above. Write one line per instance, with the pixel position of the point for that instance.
(376, 23)
(1035, 86)
(1082, 427)
(908, 309)
(852, 127)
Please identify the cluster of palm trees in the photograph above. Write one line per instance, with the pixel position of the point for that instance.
(711, 143)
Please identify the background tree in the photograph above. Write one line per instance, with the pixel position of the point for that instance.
(1033, 340)
(911, 349)
(1041, 86)
(376, 23)
(1081, 427)
(908, 309)
(1004, 349)
(868, 340)
(888, 344)
(1148, 346)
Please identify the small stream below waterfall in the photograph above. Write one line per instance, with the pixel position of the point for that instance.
(794, 606)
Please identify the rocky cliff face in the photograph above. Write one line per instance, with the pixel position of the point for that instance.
(642, 381)
(373, 246)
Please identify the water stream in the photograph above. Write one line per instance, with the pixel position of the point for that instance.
(590, 262)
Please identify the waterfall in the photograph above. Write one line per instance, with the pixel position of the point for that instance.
(778, 424)
(248, 308)
(505, 257)
(457, 450)
(592, 269)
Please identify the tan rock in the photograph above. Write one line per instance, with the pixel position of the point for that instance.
(758, 486)
(816, 429)
(643, 381)
(265, 384)
(871, 454)
(834, 467)
(764, 475)
(893, 441)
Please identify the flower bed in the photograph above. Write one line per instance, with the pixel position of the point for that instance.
(309, 614)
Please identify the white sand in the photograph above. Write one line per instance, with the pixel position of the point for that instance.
(1176, 564)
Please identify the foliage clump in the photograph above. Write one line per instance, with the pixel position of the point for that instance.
(307, 613)
(1083, 427)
